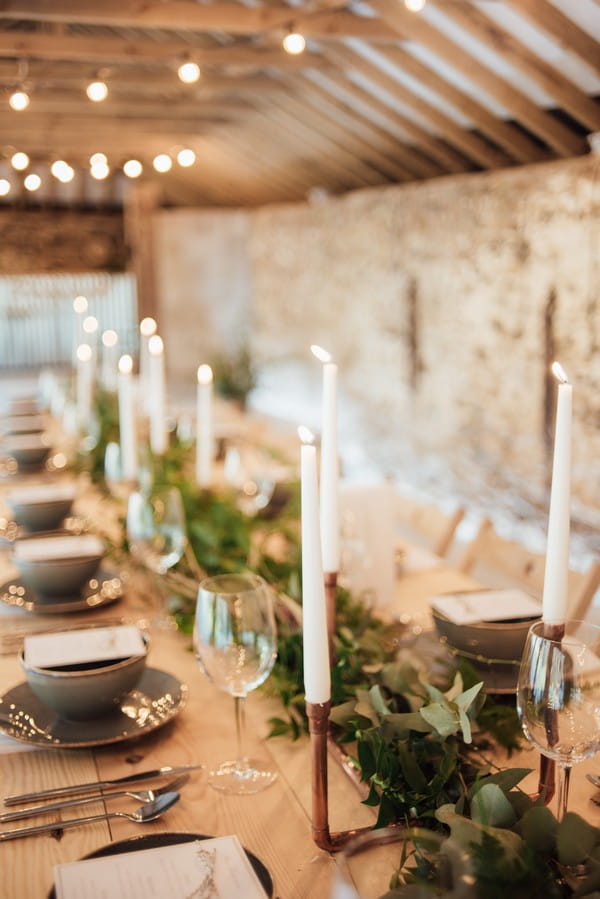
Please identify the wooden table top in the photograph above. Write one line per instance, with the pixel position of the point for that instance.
(274, 824)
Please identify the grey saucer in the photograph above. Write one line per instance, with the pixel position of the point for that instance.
(104, 588)
(157, 699)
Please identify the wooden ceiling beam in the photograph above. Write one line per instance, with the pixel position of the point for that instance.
(201, 18)
(95, 115)
(350, 116)
(473, 21)
(471, 145)
(446, 157)
(547, 17)
(562, 140)
(518, 145)
(23, 45)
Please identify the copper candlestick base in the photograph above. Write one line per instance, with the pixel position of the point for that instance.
(330, 578)
(318, 721)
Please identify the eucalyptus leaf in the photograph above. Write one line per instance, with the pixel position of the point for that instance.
(575, 839)
(506, 780)
(343, 713)
(441, 718)
(490, 806)
(378, 701)
(538, 828)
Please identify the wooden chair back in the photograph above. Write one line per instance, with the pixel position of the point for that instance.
(424, 520)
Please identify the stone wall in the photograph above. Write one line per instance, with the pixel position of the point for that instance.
(39, 241)
(444, 303)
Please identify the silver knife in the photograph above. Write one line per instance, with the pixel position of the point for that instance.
(166, 771)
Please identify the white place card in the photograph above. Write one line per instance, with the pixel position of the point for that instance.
(487, 605)
(215, 869)
(41, 493)
(95, 644)
(75, 546)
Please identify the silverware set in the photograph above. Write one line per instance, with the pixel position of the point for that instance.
(155, 802)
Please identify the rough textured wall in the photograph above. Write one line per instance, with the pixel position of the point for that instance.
(444, 303)
(40, 241)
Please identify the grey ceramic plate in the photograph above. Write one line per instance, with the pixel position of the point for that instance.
(158, 840)
(157, 698)
(105, 587)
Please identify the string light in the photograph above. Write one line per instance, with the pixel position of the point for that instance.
(80, 305)
(188, 72)
(133, 168)
(97, 91)
(162, 162)
(186, 158)
(294, 43)
(19, 161)
(148, 327)
(98, 159)
(415, 5)
(4, 187)
(19, 100)
(99, 171)
(62, 171)
(90, 324)
(32, 182)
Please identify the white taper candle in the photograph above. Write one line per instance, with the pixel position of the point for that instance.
(204, 426)
(127, 425)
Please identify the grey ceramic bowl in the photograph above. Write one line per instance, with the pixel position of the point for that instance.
(57, 577)
(87, 691)
(502, 640)
(42, 516)
(26, 449)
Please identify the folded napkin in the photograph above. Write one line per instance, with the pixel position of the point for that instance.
(487, 605)
(218, 868)
(41, 493)
(38, 549)
(95, 644)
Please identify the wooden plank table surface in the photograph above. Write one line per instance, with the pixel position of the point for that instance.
(274, 824)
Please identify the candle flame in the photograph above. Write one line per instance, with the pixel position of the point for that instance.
(306, 435)
(80, 304)
(90, 324)
(84, 352)
(155, 345)
(125, 364)
(205, 374)
(321, 354)
(109, 338)
(559, 373)
(148, 327)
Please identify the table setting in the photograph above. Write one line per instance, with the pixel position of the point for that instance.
(400, 705)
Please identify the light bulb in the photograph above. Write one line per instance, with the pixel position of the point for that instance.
(98, 159)
(80, 304)
(100, 171)
(84, 352)
(110, 338)
(62, 171)
(414, 5)
(162, 162)
(90, 324)
(189, 72)
(19, 161)
(186, 158)
(18, 100)
(97, 91)
(4, 187)
(155, 345)
(294, 43)
(133, 168)
(125, 364)
(32, 182)
(147, 327)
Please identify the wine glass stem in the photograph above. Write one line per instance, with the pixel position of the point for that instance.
(564, 777)
(240, 728)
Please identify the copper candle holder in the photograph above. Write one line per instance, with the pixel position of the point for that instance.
(330, 578)
(318, 722)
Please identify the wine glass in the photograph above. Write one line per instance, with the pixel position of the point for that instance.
(558, 695)
(251, 474)
(235, 644)
(156, 533)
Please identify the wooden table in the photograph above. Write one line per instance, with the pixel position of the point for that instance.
(274, 824)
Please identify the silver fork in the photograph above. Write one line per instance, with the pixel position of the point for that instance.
(140, 795)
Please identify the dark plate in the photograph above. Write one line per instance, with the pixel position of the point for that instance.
(159, 840)
(157, 698)
(102, 589)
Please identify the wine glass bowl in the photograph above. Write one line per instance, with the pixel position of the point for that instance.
(235, 645)
(250, 472)
(558, 695)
